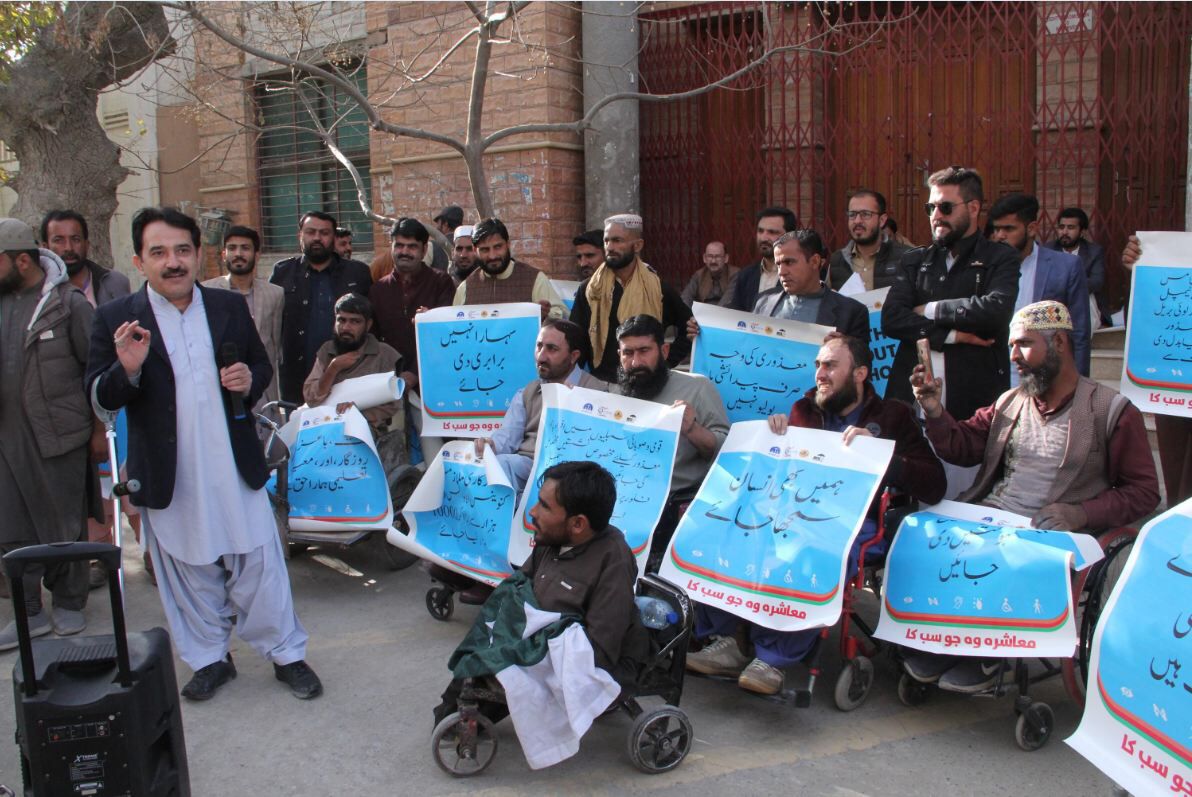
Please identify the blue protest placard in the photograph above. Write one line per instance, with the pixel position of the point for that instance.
(882, 348)
(1137, 723)
(634, 440)
(759, 365)
(1157, 373)
(335, 476)
(973, 581)
(460, 514)
(566, 290)
(472, 359)
(768, 534)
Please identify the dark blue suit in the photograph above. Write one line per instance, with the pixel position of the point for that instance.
(1059, 276)
(150, 406)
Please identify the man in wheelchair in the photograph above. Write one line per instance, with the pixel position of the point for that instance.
(581, 568)
(1064, 450)
(844, 401)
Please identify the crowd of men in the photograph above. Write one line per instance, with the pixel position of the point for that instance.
(1008, 320)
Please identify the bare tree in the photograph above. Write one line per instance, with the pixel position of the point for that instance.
(282, 36)
(48, 109)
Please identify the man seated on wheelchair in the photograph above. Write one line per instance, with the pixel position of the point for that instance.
(352, 351)
(1064, 450)
(844, 401)
(580, 567)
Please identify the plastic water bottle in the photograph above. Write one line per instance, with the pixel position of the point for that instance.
(655, 612)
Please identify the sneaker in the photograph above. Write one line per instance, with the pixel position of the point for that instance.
(98, 576)
(926, 668)
(207, 679)
(39, 625)
(971, 676)
(761, 678)
(720, 657)
(301, 679)
(67, 621)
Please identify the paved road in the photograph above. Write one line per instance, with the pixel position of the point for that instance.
(383, 662)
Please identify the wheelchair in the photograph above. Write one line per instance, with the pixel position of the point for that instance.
(1091, 589)
(464, 743)
(402, 478)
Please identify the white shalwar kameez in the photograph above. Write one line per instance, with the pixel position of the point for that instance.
(215, 548)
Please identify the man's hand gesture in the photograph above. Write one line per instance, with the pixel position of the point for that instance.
(132, 346)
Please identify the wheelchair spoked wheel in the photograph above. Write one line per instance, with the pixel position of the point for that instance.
(440, 602)
(1091, 593)
(660, 740)
(1034, 726)
(463, 747)
(911, 692)
(853, 683)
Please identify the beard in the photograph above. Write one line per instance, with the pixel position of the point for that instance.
(1037, 381)
(954, 234)
(643, 383)
(495, 267)
(237, 266)
(617, 263)
(835, 402)
(867, 240)
(1067, 242)
(316, 253)
(766, 250)
(74, 266)
(11, 283)
(344, 344)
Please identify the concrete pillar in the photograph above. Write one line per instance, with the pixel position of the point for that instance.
(610, 43)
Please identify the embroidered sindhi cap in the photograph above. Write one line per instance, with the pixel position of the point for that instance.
(1042, 315)
(629, 221)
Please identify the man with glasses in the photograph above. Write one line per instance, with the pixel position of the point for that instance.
(710, 283)
(958, 293)
(868, 253)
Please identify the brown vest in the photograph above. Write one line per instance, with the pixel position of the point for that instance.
(532, 399)
(517, 287)
(1084, 473)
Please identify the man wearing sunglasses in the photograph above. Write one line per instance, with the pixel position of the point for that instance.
(868, 252)
(958, 293)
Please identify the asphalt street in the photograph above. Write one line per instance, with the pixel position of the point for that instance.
(383, 660)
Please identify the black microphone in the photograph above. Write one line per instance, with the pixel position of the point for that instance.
(229, 355)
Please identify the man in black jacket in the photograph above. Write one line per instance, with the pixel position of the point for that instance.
(313, 282)
(762, 275)
(959, 294)
(868, 253)
(184, 362)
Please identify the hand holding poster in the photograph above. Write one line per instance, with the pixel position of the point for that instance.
(460, 514)
(634, 440)
(367, 391)
(769, 532)
(974, 581)
(1137, 724)
(472, 359)
(760, 366)
(1157, 373)
(336, 481)
(883, 348)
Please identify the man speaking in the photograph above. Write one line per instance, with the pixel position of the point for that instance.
(185, 361)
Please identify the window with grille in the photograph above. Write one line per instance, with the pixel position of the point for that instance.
(297, 172)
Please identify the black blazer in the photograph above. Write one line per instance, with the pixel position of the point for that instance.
(150, 406)
(843, 313)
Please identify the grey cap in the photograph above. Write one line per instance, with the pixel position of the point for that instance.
(16, 236)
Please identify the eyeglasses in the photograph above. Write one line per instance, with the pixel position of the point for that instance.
(945, 208)
(865, 215)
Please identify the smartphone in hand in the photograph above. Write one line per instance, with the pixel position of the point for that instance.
(924, 347)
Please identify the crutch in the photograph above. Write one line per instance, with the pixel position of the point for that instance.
(119, 488)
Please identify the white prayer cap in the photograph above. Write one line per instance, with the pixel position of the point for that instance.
(463, 231)
(629, 221)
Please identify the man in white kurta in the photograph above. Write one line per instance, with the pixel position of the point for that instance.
(212, 537)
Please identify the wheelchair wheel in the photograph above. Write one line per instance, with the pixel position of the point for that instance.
(853, 683)
(1034, 726)
(464, 747)
(911, 692)
(660, 740)
(1090, 595)
(440, 602)
(394, 558)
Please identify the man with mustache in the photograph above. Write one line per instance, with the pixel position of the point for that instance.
(241, 248)
(312, 282)
(868, 252)
(762, 275)
(959, 294)
(64, 232)
(463, 255)
(353, 352)
(501, 279)
(1061, 449)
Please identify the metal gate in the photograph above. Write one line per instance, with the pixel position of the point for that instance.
(1081, 103)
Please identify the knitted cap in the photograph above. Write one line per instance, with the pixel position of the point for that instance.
(629, 221)
(1042, 315)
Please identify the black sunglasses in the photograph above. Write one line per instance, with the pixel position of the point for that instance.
(944, 207)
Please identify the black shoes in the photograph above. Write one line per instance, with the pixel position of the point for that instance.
(300, 678)
(208, 679)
